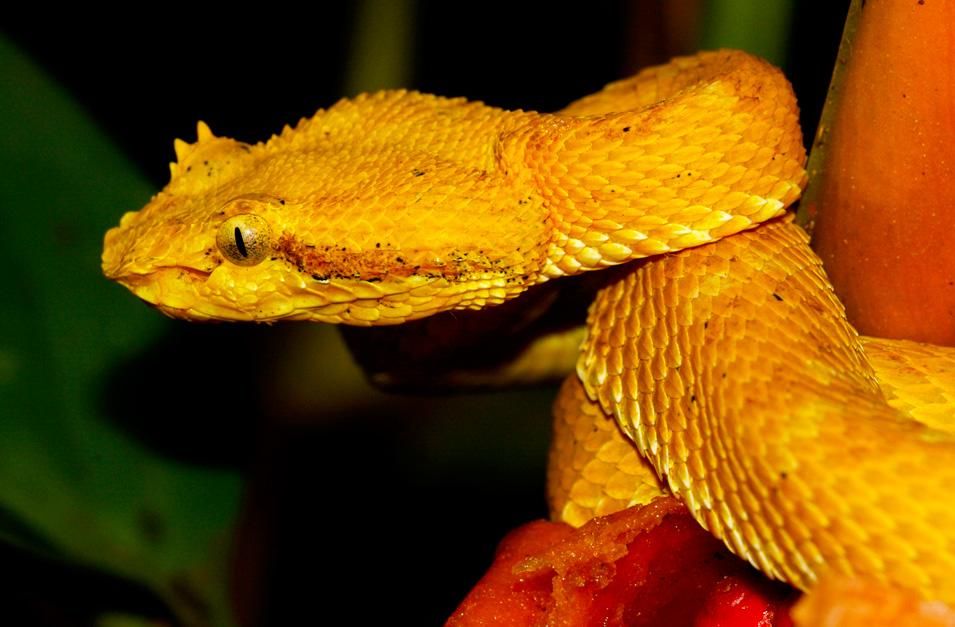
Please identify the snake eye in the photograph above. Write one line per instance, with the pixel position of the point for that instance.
(244, 239)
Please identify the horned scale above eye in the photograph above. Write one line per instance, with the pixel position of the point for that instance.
(244, 239)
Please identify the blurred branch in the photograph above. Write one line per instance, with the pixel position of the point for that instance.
(381, 52)
(760, 27)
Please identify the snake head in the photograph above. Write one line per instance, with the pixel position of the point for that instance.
(398, 205)
(384, 208)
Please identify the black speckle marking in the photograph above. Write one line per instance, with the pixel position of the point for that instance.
(777, 296)
(417, 172)
(626, 129)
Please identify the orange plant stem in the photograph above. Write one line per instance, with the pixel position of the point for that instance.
(885, 208)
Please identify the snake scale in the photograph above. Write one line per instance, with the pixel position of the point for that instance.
(720, 367)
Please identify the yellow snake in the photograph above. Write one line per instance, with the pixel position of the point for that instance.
(725, 359)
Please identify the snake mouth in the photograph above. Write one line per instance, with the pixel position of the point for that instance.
(136, 281)
(174, 290)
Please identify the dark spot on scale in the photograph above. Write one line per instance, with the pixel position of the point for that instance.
(417, 172)
(626, 129)
(692, 398)
(206, 162)
(374, 279)
(777, 296)
(921, 1)
(706, 324)
(377, 244)
(399, 259)
(723, 376)
(282, 201)
(783, 475)
(188, 168)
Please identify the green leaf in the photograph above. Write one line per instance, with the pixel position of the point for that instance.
(73, 484)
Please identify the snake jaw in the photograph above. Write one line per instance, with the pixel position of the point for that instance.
(277, 290)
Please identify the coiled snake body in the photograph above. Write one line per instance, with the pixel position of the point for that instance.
(724, 359)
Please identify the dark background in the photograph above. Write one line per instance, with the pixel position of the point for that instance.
(408, 530)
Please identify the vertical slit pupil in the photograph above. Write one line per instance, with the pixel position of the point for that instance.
(240, 243)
